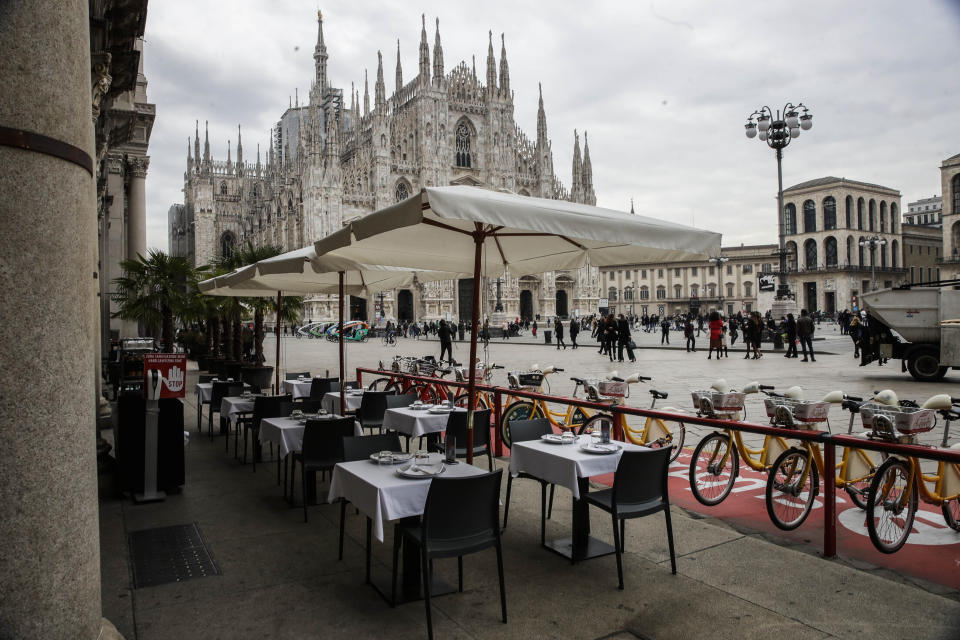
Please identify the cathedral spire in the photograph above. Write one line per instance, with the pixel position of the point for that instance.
(491, 67)
(504, 69)
(631, 206)
(259, 166)
(206, 142)
(399, 69)
(239, 149)
(541, 121)
(320, 56)
(189, 158)
(589, 197)
(229, 162)
(437, 56)
(576, 186)
(424, 52)
(379, 90)
(366, 94)
(196, 144)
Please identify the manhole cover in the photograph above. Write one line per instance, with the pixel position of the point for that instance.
(169, 554)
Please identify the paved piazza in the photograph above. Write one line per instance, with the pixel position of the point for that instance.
(673, 370)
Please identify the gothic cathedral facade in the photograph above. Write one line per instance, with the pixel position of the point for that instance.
(340, 157)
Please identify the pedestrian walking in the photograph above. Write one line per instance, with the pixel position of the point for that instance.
(534, 329)
(665, 331)
(446, 340)
(716, 331)
(790, 327)
(558, 329)
(805, 334)
(624, 339)
(574, 331)
(853, 330)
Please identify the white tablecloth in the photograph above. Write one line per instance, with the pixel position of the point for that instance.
(287, 433)
(331, 401)
(415, 422)
(381, 494)
(205, 391)
(297, 388)
(562, 464)
(232, 405)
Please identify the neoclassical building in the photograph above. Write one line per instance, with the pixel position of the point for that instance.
(340, 156)
(950, 183)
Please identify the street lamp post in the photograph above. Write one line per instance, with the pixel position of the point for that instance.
(873, 243)
(499, 305)
(719, 261)
(777, 130)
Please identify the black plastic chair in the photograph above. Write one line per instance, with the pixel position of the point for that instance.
(297, 376)
(457, 427)
(400, 401)
(232, 369)
(322, 386)
(322, 449)
(372, 407)
(205, 377)
(258, 378)
(220, 391)
(351, 384)
(639, 489)
(361, 448)
(263, 407)
(461, 516)
(525, 431)
(202, 379)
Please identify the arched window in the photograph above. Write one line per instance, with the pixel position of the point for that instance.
(463, 145)
(955, 193)
(729, 290)
(628, 294)
(401, 192)
(228, 244)
(894, 216)
(849, 211)
(883, 216)
(860, 260)
(829, 213)
(894, 254)
(612, 294)
(883, 256)
(850, 251)
(790, 218)
(830, 251)
(810, 254)
(694, 291)
(860, 214)
(747, 289)
(712, 290)
(677, 291)
(661, 293)
(223, 188)
(809, 216)
(791, 248)
(873, 215)
(644, 293)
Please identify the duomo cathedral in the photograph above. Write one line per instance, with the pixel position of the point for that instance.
(342, 155)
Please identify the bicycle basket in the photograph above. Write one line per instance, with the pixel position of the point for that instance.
(529, 379)
(612, 388)
(425, 367)
(730, 401)
(463, 375)
(882, 419)
(786, 412)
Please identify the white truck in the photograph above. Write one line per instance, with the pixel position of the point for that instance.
(920, 325)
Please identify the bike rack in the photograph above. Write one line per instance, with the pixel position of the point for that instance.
(829, 441)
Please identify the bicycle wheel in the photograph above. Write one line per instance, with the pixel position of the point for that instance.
(395, 388)
(461, 401)
(578, 420)
(713, 469)
(792, 486)
(597, 423)
(520, 410)
(858, 491)
(660, 434)
(891, 506)
(424, 392)
(380, 384)
(951, 513)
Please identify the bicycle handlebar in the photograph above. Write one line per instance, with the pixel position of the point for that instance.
(644, 378)
(765, 387)
(616, 379)
(854, 398)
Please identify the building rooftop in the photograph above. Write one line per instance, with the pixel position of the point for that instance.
(821, 182)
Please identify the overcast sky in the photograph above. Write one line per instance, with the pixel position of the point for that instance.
(663, 88)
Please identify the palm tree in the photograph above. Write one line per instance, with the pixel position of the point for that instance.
(291, 305)
(154, 291)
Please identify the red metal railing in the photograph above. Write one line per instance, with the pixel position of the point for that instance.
(828, 441)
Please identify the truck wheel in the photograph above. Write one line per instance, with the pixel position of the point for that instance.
(924, 365)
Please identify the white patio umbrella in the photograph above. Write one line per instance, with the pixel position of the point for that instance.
(446, 228)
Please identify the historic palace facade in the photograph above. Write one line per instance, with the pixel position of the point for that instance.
(341, 156)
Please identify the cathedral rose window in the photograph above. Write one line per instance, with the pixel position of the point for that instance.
(463, 145)
(401, 192)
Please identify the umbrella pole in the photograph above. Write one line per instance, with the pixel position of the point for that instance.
(475, 319)
(276, 369)
(343, 381)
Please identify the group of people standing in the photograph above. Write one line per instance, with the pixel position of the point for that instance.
(613, 334)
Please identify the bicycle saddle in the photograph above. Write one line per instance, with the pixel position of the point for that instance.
(659, 395)
(577, 380)
(851, 405)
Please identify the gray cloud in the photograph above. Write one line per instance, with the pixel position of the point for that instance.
(663, 89)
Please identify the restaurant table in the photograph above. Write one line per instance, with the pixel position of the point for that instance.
(416, 422)
(383, 496)
(287, 434)
(297, 388)
(331, 401)
(568, 466)
(204, 392)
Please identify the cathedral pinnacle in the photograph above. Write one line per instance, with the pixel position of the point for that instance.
(589, 197)
(424, 52)
(491, 67)
(541, 121)
(379, 90)
(239, 149)
(504, 69)
(366, 94)
(631, 206)
(189, 157)
(196, 143)
(576, 186)
(399, 69)
(320, 56)
(229, 162)
(437, 57)
(206, 143)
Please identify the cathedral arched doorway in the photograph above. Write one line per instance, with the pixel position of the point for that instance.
(404, 305)
(562, 311)
(465, 300)
(358, 308)
(526, 305)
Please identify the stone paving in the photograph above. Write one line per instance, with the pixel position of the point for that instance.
(281, 579)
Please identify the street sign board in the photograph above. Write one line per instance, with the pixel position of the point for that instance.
(172, 367)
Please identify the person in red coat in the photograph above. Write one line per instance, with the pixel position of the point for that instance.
(716, 329)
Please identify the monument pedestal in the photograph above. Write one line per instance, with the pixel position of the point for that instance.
(782, 306)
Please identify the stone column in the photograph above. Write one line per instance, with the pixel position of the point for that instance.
(137, 206)
(50, 563)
